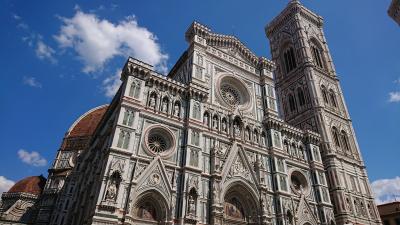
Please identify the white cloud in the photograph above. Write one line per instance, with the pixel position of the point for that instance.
(32, 158)
(5, 184)
(31, 81)
(35, 40)
(386, 190)
(44, 51)
(394, 96)
(111, 84)
(96, 41)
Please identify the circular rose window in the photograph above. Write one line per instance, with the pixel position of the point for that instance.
(233, 92)
(299, 182)
(230, 94)
(159, 140)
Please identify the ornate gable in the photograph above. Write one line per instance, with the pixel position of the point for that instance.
(305, 213)
(155, 177)
(227, 43)
(238, 166)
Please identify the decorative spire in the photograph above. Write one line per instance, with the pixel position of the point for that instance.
(294, 2)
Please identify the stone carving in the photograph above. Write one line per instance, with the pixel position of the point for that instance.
(192, 205)
(236, 128)
(224, 126)
(155, 178)
(215, 123)
(165, 105)
(152, 102)
(177, 109)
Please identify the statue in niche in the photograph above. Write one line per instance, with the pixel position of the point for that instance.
(236, 128)
(165, 105)
(215, 123)
(152, 102)
(224, 127)
(192, 204)
(247, 134)
(255, 137)
(177, 109)
(263, 140)
(301, 153)
(205, 119)
(112, 190)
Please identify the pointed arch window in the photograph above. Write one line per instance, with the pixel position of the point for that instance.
(335, 136)
(292, 103)
(300, 96)
(317, 55)
(128, 117)
(324, 94)
(333, 98)
(345, 140)
(289, 59)
(123, 139)
(134, 90)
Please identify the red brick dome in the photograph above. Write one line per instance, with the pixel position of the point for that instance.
(32, 185)
(86, 124)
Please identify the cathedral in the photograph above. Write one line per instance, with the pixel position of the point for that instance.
(226, 137)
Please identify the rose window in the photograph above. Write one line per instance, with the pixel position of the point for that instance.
(299, 182)
(159, 140)
(157, 143)
(232, 92)
(230, 95)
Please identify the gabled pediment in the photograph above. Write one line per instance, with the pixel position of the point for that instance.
(238, 166)
(304, 213)
(227, 43)
(154, 177)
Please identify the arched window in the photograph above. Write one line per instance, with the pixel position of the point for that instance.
(300, 96)
(292, 103)
(335, 136)
(317, 55)
(289, 59)
(345, 140)
(134, 91)
(333, 98)
(324, 94)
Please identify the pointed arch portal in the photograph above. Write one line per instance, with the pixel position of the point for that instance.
(240, 206)
(150, 208)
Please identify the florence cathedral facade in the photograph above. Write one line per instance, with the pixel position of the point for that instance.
(226, 137)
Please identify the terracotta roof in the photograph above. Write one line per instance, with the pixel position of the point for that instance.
(32, 185)
(87, 123)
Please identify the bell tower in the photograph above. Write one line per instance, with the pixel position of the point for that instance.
(311, 98)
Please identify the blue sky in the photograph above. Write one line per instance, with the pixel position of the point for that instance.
(60, 59)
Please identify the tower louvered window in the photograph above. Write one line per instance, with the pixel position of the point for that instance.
(335, 136)
(317, 56)
(289, 60)
(300, 96)
(292, 103)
